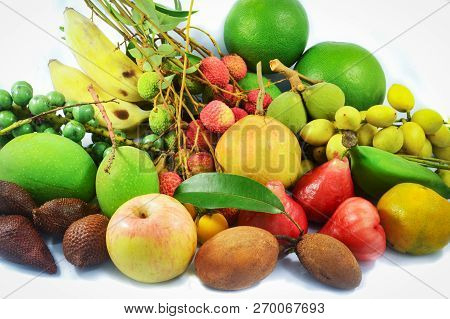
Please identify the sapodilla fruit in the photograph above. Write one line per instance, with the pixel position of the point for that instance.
(215, 71)
(84, 243)
(261, 148)
(196, 134)
(252, 99)
(22, 244)
(236, 66)
(15, 200)
(217, 117)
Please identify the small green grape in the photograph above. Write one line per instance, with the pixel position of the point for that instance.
(335, 147)
(389, 139)
(319, 154)
(348, 118)
(7, 118)
(430, 120)
(56, 98)
(83, 113)
(441, 138)
(5, 100)
(120, 133)
(39, 104)
(74, 131)
(50, 130)
(414, 138)
(22, 130)
(98, 149)
(21, 95)
(365, 134)
(427, 149)
(158, 143)
(69, 110)
(317, 132)
(381, 116)
(94, 123)
(21, 83)
(400, 98)
(41, 127)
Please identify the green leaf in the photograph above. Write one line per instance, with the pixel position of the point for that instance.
(166, 50)
(135, 53)
(146, 67)
(217, 190)
(193, 59)
(118, 16)
(155, 60)
(168, 23)
(171, 12)
(178, 6)
(167, 81)
(148, 8)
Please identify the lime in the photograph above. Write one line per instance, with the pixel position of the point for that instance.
(262, 30)
(354, 69)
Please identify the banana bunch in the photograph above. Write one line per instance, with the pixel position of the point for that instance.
(74, 85)
(100, 59)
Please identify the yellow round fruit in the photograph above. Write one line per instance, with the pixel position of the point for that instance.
(413, 138)
(365, 134)
(427, 149)
(261, 148)
(416, 219)
(381, 116)
(442, 152)
(389, 139)
(441, 138)
(317, 132)
(430, 120)
(400, 98)
(210, 225)
(335, 147)
(348, 118)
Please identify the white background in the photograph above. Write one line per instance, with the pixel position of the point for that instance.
(412, 52)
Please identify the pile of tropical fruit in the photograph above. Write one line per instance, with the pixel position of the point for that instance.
(160, 146)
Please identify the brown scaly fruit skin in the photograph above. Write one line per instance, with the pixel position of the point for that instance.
(15, 200)
(55, 216)
(84, 243)
(22, 244)
(329, 261)
(237, 258)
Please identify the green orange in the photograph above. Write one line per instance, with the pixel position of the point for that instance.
(262, 30)
(351, 67)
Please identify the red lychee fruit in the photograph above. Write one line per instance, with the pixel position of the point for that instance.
(168, 183)
(215, 71)
(238, 113)
(201, 162)
(217, 117)
(225, 97)
(252, 99)
(236, 66)
(196, 130)
(230, 214)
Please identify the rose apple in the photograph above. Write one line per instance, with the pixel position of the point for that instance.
(151, 238)
(323, 189)
(277, 224)
(356, 223)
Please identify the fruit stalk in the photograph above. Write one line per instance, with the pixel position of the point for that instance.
(428, 161)
(291, 75)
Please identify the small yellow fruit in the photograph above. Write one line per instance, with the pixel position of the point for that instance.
(389, 139)
(430, 120)
(381, 115)
(365, 134)
(400, 98)
(414, 138)
(210, 225)
(348, 118)
(442, 152)
(441, 138)
(335, 147)
(427, 149)
(317, 132)
(416, 219)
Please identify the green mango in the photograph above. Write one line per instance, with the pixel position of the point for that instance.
(288, 109)
(131, 174)
(376, 171)
(48, 166)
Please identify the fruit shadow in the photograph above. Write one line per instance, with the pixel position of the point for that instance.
(396, 258)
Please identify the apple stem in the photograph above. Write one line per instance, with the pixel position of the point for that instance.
(294, 222)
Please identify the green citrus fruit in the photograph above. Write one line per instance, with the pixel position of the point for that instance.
(354, 69)
(262, 30)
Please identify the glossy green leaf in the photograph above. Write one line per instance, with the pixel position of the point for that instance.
(218, 190)
(135, 53)
(146, 67)
(168, 23)
(170, 12)
(166, 50)
(148, 8)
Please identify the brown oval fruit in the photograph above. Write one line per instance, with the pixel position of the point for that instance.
(55, 216)
(237, 258)
(329, 261)
(15, 200)
(84, 242)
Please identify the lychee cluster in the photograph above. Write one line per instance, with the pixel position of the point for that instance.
(201, 162)
(252, 100)
(227, 95)
(168, 183)
(196, 132)
(215, 71)
(236, 66)
(217, 117)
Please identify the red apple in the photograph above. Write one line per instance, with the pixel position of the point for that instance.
(356, 223)
(277, 224)
(323, 189)
(151, 238)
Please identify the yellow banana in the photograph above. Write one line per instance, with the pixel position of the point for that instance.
(74, 85)
(113, 71)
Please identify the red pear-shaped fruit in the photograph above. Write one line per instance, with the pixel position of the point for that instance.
(356, 223)
(323, 189)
